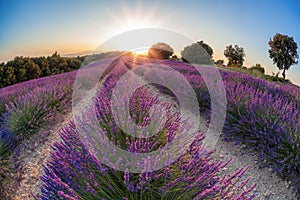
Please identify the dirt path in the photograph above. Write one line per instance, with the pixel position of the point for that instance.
(34, 152)
(268, 185)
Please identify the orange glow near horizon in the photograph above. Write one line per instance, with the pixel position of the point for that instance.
(141, 51)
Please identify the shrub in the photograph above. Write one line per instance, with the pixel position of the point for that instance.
(259, 68)
(276, 78)
(253, 72)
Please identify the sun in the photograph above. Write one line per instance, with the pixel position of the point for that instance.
(141, 51)
(135, 23)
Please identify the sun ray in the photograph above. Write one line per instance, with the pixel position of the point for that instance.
(137, 17)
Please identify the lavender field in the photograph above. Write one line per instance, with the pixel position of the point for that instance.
(260, 114)
(26, 108)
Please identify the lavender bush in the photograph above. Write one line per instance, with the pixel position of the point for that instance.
(13, 92)
(25, 107)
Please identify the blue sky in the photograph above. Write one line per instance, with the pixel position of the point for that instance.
(33, 28)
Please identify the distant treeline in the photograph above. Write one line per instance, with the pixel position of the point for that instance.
(26, 68)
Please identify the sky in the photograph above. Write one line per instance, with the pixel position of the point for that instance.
(35, 27)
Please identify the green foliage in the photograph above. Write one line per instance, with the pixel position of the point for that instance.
(283, 52)
(24, 119)
(258, 74)
(207, 48)
(43, 65)
(160, 50)
(29, 112)
(256, 71)
(250, 71)
(235, 55)
(4, 171)
(24, 68)
(4, 153)
(7, 75)
(258, 67)
(276, 78)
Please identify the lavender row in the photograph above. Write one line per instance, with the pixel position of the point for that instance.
(12, 93)
(263, 114)
(75, 171)
(29, 105)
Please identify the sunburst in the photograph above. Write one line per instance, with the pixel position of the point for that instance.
(131, 18)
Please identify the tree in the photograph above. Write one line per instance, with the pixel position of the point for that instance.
(219, 62)
(235, 55)
(208, 49)
(19, 70)
(74, 63)
(2, 70)
(25, 68)
(283, 52)
(160, 50)
(197, 53)
(56, 63)
(43, 65)
(258, 67)
(174, 57)
(10, 77)
(32, 70)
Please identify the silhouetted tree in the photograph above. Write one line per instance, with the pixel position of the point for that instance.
(235, 55)
(197, 54)
(219, 62)
(208, 49)
(174, 57)
(2, 70)
(160, 50)
(283, 52)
